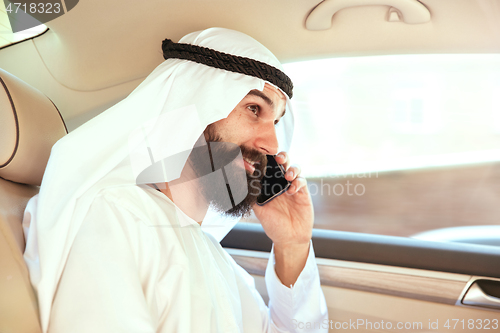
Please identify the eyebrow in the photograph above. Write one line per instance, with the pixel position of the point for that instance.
(260, 94)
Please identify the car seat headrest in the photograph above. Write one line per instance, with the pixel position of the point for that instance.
(30, 124)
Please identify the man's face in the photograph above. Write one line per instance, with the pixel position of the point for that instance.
(251, 126)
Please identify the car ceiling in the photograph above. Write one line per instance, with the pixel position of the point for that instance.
(105, 48)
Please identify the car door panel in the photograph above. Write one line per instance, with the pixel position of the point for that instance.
(359, 291)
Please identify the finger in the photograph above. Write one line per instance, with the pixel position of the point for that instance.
(299, 184)
(282, 158)
(292, 173)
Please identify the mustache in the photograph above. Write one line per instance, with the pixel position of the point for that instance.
(260, 160)
(254, 155)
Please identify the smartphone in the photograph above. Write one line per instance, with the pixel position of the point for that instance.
(273, 182)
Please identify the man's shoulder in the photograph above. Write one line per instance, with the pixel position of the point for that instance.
(120, 193)
(131, 199)
(140, 201)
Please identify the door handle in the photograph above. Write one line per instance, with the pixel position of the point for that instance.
(484, 293)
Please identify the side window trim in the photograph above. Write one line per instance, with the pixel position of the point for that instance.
(449, 257)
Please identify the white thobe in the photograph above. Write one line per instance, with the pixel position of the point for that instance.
(138, 264)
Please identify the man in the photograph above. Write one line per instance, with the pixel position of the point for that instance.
(114, 241)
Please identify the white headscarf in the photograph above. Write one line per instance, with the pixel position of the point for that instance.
(171, 108)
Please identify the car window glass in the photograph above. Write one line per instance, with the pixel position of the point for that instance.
(400, 144)
(7, 37)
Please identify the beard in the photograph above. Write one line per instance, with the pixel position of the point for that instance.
(241, 186)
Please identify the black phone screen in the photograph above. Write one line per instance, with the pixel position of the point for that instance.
(273, 182)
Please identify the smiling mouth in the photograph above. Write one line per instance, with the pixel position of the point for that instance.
(249, 166)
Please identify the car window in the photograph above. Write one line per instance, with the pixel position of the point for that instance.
(399, 144)
(7, 37)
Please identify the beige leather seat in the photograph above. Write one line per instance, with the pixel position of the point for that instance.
(29, 125)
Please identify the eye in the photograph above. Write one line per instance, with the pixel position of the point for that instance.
(254, 108)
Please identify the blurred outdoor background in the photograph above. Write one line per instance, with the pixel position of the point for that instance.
(398, 145)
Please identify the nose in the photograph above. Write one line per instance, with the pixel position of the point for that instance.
(267, 141)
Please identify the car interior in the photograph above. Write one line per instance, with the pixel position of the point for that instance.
(81, 63)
